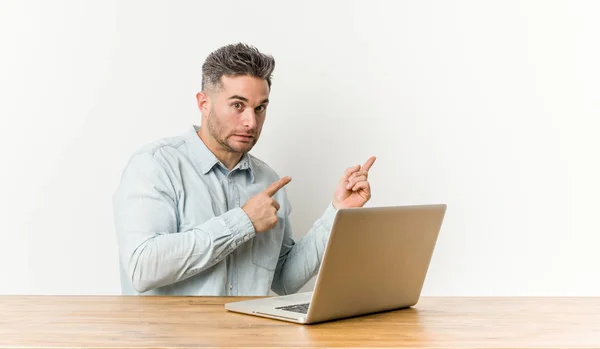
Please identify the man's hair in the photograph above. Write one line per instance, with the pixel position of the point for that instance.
(235, 60)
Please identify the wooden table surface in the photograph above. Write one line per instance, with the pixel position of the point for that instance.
(200, 322)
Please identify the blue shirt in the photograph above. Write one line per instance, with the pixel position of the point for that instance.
(181, 230)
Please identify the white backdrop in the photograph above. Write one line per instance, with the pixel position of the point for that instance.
(489, 107)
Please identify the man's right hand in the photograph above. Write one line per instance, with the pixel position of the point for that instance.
(262, 208)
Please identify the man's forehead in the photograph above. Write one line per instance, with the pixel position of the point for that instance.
(242, 81)
(249, 88)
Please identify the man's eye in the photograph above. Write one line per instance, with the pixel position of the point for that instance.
(260, 108)
(237, 105)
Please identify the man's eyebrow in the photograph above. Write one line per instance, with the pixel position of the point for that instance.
(266, 100)
(239, 97)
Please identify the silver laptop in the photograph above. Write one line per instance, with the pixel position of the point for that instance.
(376, 259)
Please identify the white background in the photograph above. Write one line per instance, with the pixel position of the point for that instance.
(491, 107)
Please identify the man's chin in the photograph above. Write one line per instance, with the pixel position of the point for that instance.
(241, 148)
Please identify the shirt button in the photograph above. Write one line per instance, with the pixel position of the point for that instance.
(231, 286)
(245, 238)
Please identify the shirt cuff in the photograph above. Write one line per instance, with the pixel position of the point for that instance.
(328, 216)
(239, 224)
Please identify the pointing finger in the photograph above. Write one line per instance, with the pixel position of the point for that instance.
(274, 188)
(369, 163)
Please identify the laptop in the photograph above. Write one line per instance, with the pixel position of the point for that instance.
(376, 260)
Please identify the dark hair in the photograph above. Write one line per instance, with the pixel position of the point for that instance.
(234, 60)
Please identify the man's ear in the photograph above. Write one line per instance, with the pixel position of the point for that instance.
(203, 102)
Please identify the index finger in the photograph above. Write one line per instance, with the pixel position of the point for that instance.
(274, 188)
(368, 164)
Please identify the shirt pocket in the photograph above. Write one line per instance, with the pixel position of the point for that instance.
(266, 246)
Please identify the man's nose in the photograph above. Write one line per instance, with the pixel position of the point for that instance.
(249, 118)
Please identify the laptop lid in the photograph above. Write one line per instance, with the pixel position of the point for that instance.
(376, 259)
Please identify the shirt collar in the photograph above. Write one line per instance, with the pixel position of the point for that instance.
(208, 160)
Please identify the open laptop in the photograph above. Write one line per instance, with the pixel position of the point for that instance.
(376, 259)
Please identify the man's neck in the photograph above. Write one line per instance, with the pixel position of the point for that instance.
(227, 158)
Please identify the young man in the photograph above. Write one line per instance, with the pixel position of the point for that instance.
(198, 215)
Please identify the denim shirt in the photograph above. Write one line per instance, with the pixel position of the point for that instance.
(181, 230)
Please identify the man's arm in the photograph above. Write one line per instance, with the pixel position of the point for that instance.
(299, 261)
(152, 251)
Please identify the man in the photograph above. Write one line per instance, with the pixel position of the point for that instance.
(198, 215)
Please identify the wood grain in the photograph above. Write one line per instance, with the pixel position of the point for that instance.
(201, 322)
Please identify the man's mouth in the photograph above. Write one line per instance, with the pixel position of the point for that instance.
(245, 137)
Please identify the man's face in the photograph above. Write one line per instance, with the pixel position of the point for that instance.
(237, 112)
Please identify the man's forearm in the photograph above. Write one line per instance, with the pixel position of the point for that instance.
(300, 261)
(168, 258)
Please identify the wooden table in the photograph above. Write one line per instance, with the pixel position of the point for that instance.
(196, 322)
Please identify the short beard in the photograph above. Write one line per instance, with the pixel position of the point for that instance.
(214, 129)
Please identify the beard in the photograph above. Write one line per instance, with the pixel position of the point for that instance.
(219, 133)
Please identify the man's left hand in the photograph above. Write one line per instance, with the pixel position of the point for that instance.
(354, 189)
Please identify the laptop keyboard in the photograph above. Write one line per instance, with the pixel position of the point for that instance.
(297, 308)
